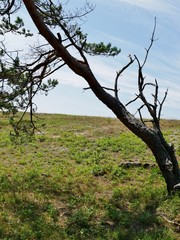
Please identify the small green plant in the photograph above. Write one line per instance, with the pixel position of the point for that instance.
(99, 170)
(69, 184)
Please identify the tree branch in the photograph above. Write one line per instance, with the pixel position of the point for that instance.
(62, 52)
(151, 43)
(118, 74)
(7, 10)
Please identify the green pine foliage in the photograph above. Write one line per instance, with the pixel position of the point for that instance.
(101, 49)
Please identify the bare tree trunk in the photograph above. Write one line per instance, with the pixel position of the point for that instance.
(153, 137)
(162, 151)
(168, 164)
(167, 161)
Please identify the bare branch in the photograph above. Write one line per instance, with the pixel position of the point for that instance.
(118, 74)
(151, 43)
(106, 88)
(151, 107)
(8, 8)
(169, 221)
(139, 111)
(161, 104)
(132, 100)
(156, 93)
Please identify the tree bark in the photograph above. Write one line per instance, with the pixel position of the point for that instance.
(163, 153)
(166, 160)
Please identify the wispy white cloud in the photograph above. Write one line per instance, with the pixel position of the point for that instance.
(155, 5)
(161, 65)
(66, 77)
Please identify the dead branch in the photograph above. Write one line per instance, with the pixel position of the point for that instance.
(161, 104)
(132, 100)
(118, 74)
(151, 44)
(106, 88)
(154, 108)
(169, 221)
(8, 8)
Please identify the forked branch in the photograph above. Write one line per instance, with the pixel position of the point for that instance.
(154, 108)
(118, 74)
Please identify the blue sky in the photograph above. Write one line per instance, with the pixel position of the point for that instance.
(128, 24)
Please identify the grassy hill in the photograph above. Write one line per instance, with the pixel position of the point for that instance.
(84, 178)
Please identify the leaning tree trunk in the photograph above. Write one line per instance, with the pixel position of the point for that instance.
(153, 137)
(163, 153)
(166, 160)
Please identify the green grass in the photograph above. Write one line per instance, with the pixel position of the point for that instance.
(68, 183)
